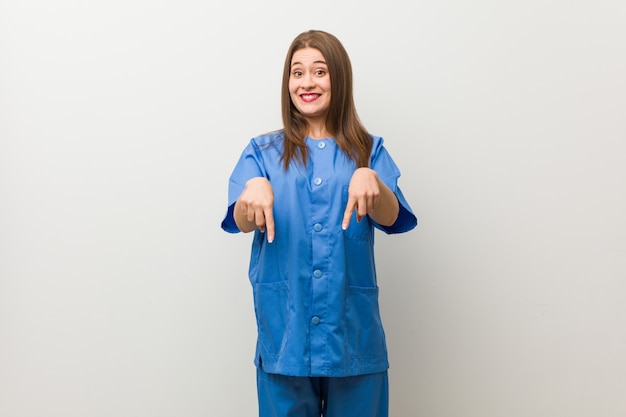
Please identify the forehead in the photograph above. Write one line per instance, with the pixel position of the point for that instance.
(307, 56)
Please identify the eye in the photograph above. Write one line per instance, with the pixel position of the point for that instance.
(320, 72)
(297, 73)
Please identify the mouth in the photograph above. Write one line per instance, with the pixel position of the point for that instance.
(309, 97)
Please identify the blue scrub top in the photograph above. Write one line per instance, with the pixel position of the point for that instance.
(315, 289)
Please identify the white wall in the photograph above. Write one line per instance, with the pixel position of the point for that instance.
(120, 122)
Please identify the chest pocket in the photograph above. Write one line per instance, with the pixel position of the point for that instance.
(356, 230)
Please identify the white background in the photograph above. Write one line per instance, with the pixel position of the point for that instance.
(120, 122)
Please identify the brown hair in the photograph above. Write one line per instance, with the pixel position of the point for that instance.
(342, 120)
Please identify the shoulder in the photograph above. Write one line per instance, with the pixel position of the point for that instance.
(380, 160)
(265, 148)
(268, 139)
(258, 145)
(377, 143)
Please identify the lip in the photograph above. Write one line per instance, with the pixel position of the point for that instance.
(309, 97)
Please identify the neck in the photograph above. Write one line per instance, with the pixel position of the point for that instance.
(318, 130)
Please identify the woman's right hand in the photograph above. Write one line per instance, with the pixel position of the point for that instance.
(254, 207)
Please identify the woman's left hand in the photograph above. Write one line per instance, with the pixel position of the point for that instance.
(363, 195)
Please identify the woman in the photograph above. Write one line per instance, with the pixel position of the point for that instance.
(313, 192)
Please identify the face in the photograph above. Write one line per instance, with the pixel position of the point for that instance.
(309, 84)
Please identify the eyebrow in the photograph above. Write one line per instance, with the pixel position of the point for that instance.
(315, 62)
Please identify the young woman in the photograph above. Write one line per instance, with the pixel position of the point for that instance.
(313, 193)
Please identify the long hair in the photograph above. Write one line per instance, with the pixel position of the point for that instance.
(342, 120)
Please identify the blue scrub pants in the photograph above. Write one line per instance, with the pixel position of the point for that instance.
(295, 396)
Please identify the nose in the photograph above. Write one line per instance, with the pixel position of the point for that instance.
(308, 81)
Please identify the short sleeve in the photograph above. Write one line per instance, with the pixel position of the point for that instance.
(250, 165)
(389, 173)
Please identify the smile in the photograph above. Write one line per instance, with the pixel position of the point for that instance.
(307, 98)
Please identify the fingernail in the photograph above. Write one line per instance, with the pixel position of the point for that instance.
(344, 226)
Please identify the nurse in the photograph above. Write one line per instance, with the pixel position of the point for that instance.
(313, 193)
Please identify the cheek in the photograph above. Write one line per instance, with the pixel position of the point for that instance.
(294, 97)
(292, 87)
